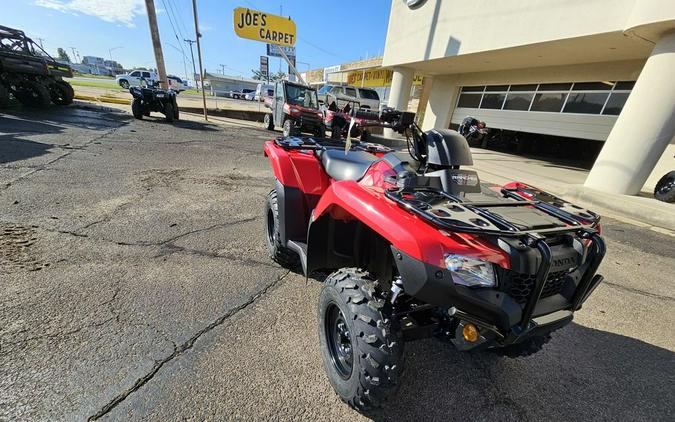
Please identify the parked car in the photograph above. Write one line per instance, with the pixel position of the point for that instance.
(134, 78)
(262, 91)
(249, 96)
(177, 84)
(240, 95)
(367, 98)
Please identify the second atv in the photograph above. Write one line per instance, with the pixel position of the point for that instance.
(147, 99)
(416, 246)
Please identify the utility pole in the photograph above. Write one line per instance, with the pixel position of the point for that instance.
(199, 56)
(74, 54)
(156, 43)
(222, 68)
(194, 71)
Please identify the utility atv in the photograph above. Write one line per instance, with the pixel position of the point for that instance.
(150, 98)
(29, 74)
(418, 247)
(295, 109)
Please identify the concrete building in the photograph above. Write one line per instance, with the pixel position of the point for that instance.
(593, 69)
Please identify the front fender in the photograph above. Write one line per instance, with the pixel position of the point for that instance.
(348, 200)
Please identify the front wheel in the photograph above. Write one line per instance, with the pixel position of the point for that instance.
(124, 84)
(33, 94)
(61, 93)
(169, 112)
(288, 128)
(665, 188)
(137, 108)
(361, 341)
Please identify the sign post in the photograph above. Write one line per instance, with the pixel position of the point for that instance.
(264, 68)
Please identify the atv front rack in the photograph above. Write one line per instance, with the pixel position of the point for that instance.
(475, 217)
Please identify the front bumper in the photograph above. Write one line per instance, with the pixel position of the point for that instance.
(499, 316)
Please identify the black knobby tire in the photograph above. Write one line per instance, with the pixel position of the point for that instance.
(4, 96)
(375, 340)
(288, 128)
(268, 120)
(137, 108)
(320, 132)
(524, 349)
(169, 112)
(665, 188)
(278, 252)
(33, 94)
(61, 93)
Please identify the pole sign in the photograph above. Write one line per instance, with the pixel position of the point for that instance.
(264, 67)
(261, 26)
(273, 51)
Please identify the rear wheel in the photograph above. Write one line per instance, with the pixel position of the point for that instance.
(268, 120)
(361, 341)
(176, 113)
(665, 188)
(137, 108)
(278, 252)
(169, 112)
(61, 93)
(33, 94)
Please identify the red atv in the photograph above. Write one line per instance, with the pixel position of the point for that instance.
(418, 247)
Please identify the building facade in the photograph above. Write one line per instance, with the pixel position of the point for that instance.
(592, 69)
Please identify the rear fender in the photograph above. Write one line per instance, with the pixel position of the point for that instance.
(347, 201)
(297, 169)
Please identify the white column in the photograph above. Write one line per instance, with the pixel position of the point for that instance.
(442, 100)
(399, 94)
(644, 128)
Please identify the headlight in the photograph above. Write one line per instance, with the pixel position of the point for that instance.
(159, 95)
(470, 272)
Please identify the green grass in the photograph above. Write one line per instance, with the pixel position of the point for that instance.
(102, 84)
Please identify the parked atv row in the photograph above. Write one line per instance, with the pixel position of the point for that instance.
(29, 74)
(417, 247)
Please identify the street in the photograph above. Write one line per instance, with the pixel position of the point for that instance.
(135, 284)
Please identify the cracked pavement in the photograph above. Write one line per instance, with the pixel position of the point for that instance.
(134, 285)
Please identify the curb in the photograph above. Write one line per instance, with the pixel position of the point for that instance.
(642, 209)
(102, 98)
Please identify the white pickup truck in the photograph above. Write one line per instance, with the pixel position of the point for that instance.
(133, 78)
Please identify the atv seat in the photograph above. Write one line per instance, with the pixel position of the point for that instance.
(350, 166)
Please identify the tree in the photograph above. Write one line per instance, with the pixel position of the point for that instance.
(274, 77)
(62, 55)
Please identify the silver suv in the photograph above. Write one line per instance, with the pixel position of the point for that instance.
(367, 98)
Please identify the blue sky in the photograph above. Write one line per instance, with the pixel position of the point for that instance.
(329, 32)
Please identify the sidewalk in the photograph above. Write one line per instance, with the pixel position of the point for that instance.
(567, 181)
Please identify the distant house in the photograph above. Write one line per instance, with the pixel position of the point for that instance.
(222, 85)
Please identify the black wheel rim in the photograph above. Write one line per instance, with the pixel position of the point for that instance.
(339, 341)
(666, 186)
(270, 227)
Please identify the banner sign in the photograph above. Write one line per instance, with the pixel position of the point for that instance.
(375, 77)
(261, 26)
(264, 66)
(273, 51)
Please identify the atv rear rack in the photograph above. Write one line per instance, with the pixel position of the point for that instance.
(476, 217)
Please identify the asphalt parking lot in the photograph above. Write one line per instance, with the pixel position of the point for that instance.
(134, 284)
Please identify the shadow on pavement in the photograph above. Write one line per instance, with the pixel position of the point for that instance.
(582, 374)
(192, 125)
(15, 149)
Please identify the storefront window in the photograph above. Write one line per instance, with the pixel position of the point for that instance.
(585, 102)
(469, 100)
(518, 101)
(548, 102)
(493, 101)
(615, 103)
